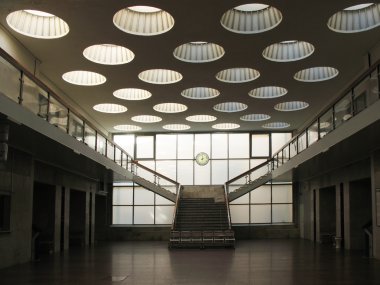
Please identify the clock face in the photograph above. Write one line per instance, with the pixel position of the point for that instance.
(202, 158)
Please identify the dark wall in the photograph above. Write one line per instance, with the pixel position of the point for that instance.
(327, 210)
(77, 218)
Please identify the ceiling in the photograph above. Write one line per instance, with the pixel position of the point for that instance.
(91, 22)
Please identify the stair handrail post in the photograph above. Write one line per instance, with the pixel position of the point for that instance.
(228, 206)
(176, 205)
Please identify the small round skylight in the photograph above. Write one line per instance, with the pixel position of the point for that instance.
(170, 108)
(200, 93)
(268, 92)
(358, 18)
(127, 128)
(133, 94)
(291, 106)
(255, 117)
(226, 126)
(198, 52)
(146, 119)
(84, 78)
(108, 54)
(230, 107)
(201, 118)
(176, 127)
(237, 75)
(251, 18)
(160, 76)
(110, 108)
(37, 24)
(316, 74)
(276, 125)
(143, 20)
(288, 51)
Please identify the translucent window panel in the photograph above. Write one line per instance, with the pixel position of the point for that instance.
(302, 142)
(241, 200)
(282, 193)
(185, 146)
(279, 140)
(100, 144)
(127, 142)
(122, 196)
(293, 148)
(58, 114)
(166, 146)
(261, 214)
(185, 172)
(76, 127)
(202, 174)
(9, 80)
(237, 167)
(89, 136)
(260, 145)
(144, 147)
(163, 201)
(343, 110)
(34, 98)
(282, 213)
(312, 133)
(167, 168)
(263, 170)
(238, 145)
(326, 123)
(143, 196)
(219, 146)
(122, 215)
(148, 175)
(202, 143)
(118, 158)
(164, 215)
(219, 169)
(110, 150)
(374, 90)
(144, 215)
(256, 162)
(239, 214)
(261, 195)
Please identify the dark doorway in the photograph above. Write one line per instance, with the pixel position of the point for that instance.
(77, 218)
(327, 215)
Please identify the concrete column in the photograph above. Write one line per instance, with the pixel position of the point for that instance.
(66, 228)
(375, 185)
(347, 220)
(317, 215)
(87, 220)
(92, 222)
(57, 220)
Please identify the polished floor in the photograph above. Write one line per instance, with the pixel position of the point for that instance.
(255, 262)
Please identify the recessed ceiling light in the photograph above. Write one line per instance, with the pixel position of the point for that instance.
(254, 7)
(37, 24)
(237, 75)
(291, 106)
(201, 118)
(255, 117)
(358, 7)
(316, 74)
(288, 51)
(160, 76)
(84, 78)
(198, 52)
(276, 125)
(133, 94)
(127, 128)
(170, 108)
(143, 20)
(176, 127)
(110, 108)
(200, 93)
(268, 92)
(108, 54)
(146, 119)
(230, 107)
(226, 126)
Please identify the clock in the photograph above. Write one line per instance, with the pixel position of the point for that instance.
(202, 158)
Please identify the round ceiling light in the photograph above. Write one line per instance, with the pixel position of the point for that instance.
(170, 108)
(288, 51)
(268, 92)
(176, 127)
(276, 125)
(200, 93)
(160, 76)
(237, 75)
(198, 52)
(354, 19)
(251, 18)
(201, 118)
(133, 94)
(37, 24)
(108, 54)
(127, 128)
(291, 106)
(146, 119)
(226, 126)
(230, 107)
(84, 78)
(110, 108)
(143, 20)
(255, 117)
(316, 74)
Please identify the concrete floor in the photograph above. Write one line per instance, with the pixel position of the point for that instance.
(252, 262)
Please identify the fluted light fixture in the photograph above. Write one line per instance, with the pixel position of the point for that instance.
(170, 108)
(276, 125)
(225, 126)
(160, 76)
(230, 107)
(287, 51)
(255, 117)
(291, 106)
(176, 127)
(200, 93)
(316, 74)
(110, 108)
(133, 94)
(147, 119)
(84, 78)
(198, 52)
(268, 92)
(108, 54)
(201, 118)
(237, 75)
(127, 128)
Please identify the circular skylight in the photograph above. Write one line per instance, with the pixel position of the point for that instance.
(170, 108)
(230, 107)
(251, 18)
(255, 117)
(143, 20)
(37, 24)
(276, 125)
(84, 78)
(358, 18)
(287, 51)
(146, 119)
(316, 74)
(133, 94)
(237, 75)
(110, 108)
(226, 126)
(291, 106)
(108, 54)
(268, 92)
(200, 93)
(127, 128)
(160, 76)
(198, 52)
(201, 118)
(176, 127)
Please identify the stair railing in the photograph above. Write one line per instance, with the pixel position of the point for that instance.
(228, 206)
(176, 207)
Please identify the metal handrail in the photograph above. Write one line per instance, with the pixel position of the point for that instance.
(228, 207)
(247, 172)
(135, 162)
(176, 207)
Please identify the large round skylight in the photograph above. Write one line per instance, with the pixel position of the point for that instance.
(146, 119)
(237, 75)
(291, 106)
(160, 76)
(201, 118)
(110, 108)
(37, 24)
(127, 128)
(287, 51)
(226, 126)
(84, 78)
(251, 18)
(133, 94)
(268, 92)
(108, 54)
(255, 117)
(200, 93)
(230, 107)
(198, 52)
(276, 125)
(316, 74)
(170, 108)
(176, 127)
(143, 20)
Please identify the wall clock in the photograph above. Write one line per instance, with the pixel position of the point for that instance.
(202, 158)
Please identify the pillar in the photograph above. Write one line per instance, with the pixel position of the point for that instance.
(58, 218)
(66, 227)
